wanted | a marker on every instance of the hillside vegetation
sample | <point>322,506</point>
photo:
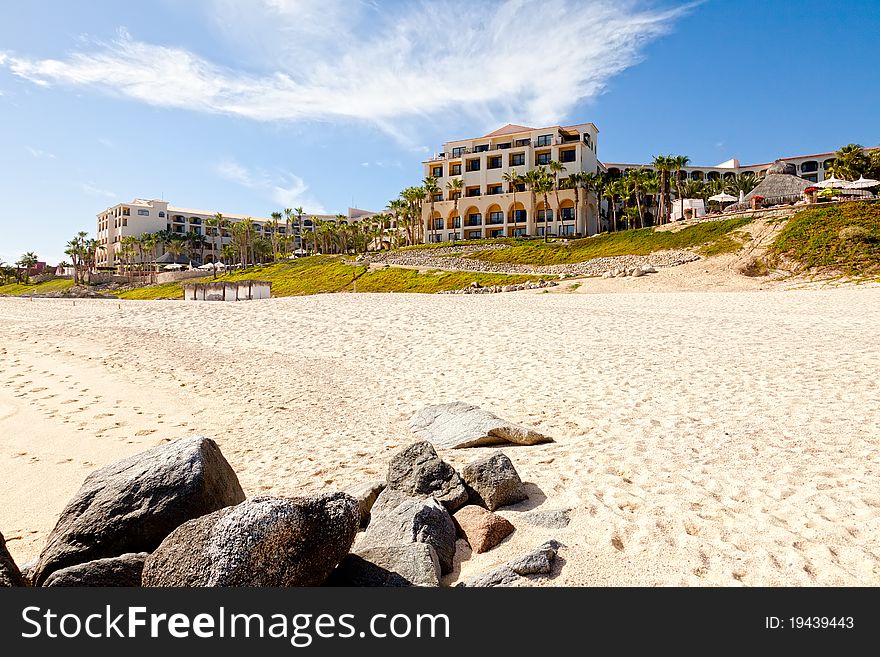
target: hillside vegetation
<point>631,242</point>
<point>52,285</point>
<point>319,274</point>
<point>843,238</point>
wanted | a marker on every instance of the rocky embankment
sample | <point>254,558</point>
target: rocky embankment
<point>176,516</point>
<point>452,258</point>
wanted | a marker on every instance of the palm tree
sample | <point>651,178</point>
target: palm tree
<point>744,182</point>
<point>26,261</point>
<point>288,215</point>
<point>273,226</point>
<point>299,224</point>
<point>429,184</point>
<point>850,162</point>
<point>555,168</point>
<point>543,185</point>
<point>455,186</point>
<point>609,191</point>
<point>664,164</point>
<point>216,224</point>
<point>637,179</point>
<point>679,162</point>
<point>532,179</point>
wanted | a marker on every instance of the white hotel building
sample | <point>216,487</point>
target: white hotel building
<point>143,216</point>
<point>490,207</point>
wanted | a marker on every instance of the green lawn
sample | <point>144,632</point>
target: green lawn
<point>843,237</point>
<point>318,274</point>
<point>630,242</point>
<point>53,285</point>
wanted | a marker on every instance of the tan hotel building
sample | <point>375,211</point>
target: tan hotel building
<point>143,216</point>
<point>487,207</point>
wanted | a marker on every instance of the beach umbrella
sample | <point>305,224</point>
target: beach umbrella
<point>864,183</point>
<point>722,198</point>
<point>833,183</point>
<point>174,266</point>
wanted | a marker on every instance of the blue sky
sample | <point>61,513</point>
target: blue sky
<point>248,107</point>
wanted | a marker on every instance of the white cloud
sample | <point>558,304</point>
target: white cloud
<point>91,190</point>
<point>285,188</point>
<point>527,61</point>
<point>37,153</point>
<point>106,142</point>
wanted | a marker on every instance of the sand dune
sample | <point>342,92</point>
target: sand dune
<point>702,438</point>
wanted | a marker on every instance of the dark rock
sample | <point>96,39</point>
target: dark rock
<point>414,521</point>
<point>132,504</point>
<point>265,541</point>
<point>387,500</point>
<point>366,495</point>
<point>536,562</point>
<point>417,471</point>
<point>10,575</point>
<point>457,424</point>
<point>482,529</point>
<point>124,570</point>
<point>415,564</point>
<point>493,482</point>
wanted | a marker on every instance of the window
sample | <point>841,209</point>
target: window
<point>451,237</point>
<point>517,159</point>
<point>567,214</point>
<point>438,224</point>
<point>473,165</point>
<point>124,221</point>
<point>482,148</point>
<point>501,146</point>
<point>455,170</point>
<point>496,232</point>
<point>808,167</point>
<point>456,222</point>
<point>435,238</point>
<point>494,162</point>
<point>544,140</point>
<point>438,197</point>
<point>457,151</point>
<point>495,189</point>
<point>126,212</point>
<point>541,231</point>
<point>567,156</point>
<point>161,214</point>
<point>568,230</point>
<point>143,213</point>
<point>475,219</point>
<point>543,158</point>
<point>437,172</point>
<point>519,216</point>
<point>519,232</point>
<point>496,217</point>
<point>472,191</point>
<point>523,142</point>
<point>545,213</point>
<point>473,235</point>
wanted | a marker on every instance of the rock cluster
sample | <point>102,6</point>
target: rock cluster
<point>476,288</point>
<point>176,516</point>
<point>619,272</point>
<point>454,258</point>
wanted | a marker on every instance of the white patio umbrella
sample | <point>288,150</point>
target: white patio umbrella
<point>864,183</point>
<point>833,183</point>
<point>722,198</point>
<point>174,266</point>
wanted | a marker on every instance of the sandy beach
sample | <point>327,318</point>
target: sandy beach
<point>702,438</point>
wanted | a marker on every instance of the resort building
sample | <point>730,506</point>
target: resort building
<point>489,204</point>
<point>813,168</point>
<point>143,216</point>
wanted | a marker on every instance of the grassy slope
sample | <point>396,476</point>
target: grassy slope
<point>631,242</point>
<point>53,285</point>
<point>319,274</point>
<point>815,238</point>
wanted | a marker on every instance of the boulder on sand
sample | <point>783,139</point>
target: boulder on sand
<point>124,570</point>
<point>132,504</point>
<point>457,424</point>
<point>417,471</point>
<point>10,575</point>
<point>482,529</point>
<point>493,482</point>
<point>265,541</point>
<point>414,564</point>
<point>414,521</point>
<point>366,494</point>
<point>537,562</point>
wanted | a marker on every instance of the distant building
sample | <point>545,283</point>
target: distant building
<point>143,216</point>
